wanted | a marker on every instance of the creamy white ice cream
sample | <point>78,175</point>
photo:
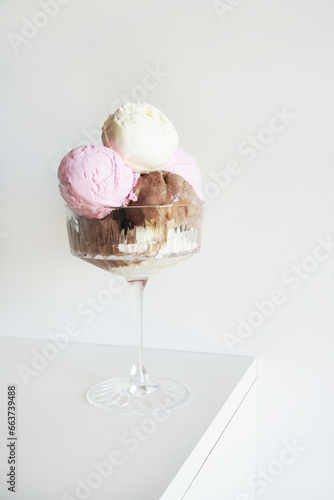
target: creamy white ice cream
<point>142,135</point>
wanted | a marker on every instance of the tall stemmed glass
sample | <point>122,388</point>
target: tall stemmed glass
<point>136,242</point>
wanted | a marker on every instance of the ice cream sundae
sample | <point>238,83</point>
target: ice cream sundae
<point>136,197</point>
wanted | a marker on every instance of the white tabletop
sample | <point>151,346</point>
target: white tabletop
<point>60,436</point>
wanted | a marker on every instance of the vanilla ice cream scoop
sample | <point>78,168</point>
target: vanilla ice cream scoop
<point>142,135</point>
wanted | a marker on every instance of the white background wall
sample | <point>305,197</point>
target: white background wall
<point>222,73</point>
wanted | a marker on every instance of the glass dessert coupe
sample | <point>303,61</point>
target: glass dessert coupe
<point>136,242</point>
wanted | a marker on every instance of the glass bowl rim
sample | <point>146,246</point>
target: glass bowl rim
<point>199,203</point>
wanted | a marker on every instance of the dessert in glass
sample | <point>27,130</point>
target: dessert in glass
<point>134,208</point>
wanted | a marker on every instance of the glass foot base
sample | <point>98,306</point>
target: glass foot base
<point>121,396</point>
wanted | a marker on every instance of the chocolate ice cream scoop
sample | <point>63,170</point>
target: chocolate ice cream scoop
<point>161,188</point>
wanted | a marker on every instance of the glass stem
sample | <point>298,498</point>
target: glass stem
<point>138,374</point>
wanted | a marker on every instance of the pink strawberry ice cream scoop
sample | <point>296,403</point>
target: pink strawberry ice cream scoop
<point>94,178</point>
<point>185,165</point>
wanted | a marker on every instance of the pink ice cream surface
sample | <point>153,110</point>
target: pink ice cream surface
<point>185,165</point>
<point>94,178</point>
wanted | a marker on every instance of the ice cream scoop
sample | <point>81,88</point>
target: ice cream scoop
<point>143,136</point>
<point>185,165</point>
<point>94,178</point>
<point>161,188</point>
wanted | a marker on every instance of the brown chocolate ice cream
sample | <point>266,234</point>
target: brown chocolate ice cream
<point>161,188</point>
